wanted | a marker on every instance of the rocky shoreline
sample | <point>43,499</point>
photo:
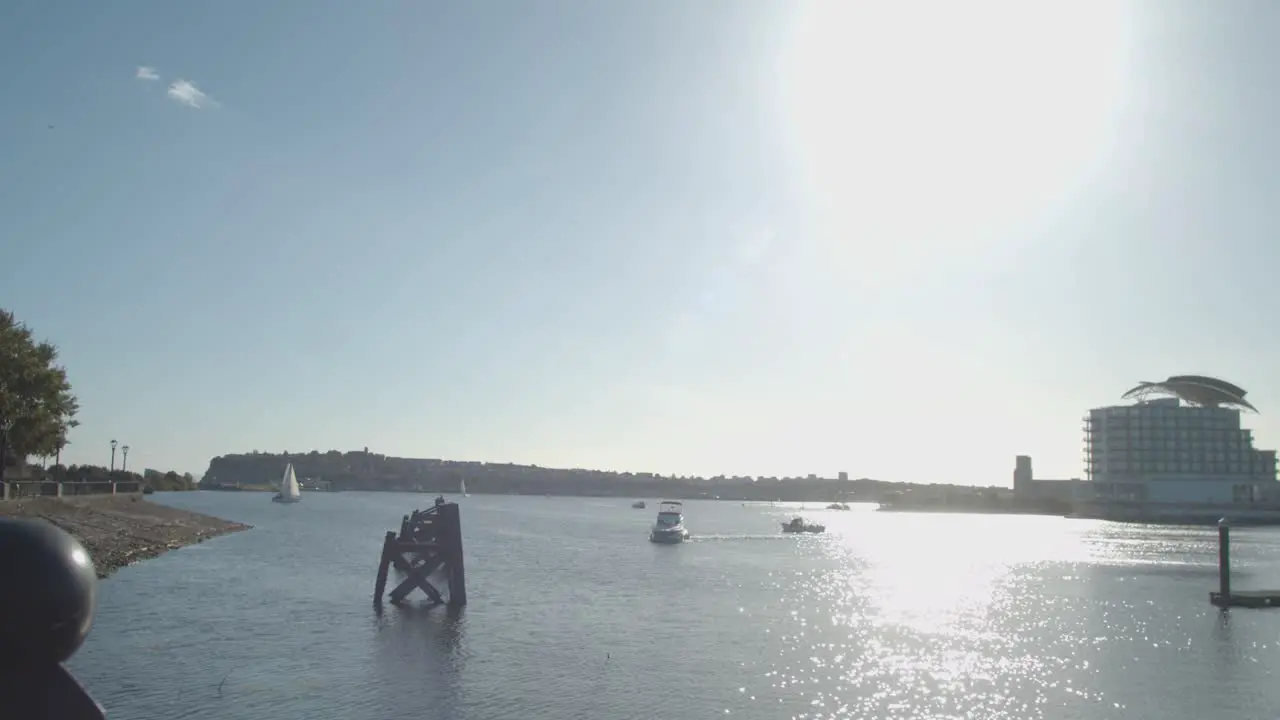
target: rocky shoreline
<point>120,530</point>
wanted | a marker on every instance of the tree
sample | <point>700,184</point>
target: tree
<point>37,409</point>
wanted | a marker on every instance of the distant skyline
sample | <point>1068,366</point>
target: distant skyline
<point>768,238</point>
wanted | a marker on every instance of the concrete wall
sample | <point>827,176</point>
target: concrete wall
<point>1203,490</point>
<point>1211,490</point>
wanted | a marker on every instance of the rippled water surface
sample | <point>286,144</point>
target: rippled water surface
<point>574,615</point>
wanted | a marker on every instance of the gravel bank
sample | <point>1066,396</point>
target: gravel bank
<point>122,529</point>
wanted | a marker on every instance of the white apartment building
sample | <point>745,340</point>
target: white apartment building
<point>1180,443</point>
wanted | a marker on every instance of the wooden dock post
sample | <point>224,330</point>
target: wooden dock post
<point>429,540</point>
<point>452,527</point>
<point>1224,560</point>
<point>380,585</point>
<point>1225,597</point>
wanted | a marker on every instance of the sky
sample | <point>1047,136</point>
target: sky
<point>905,240</point>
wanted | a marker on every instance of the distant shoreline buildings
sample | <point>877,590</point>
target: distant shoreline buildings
<point>1179,450</point>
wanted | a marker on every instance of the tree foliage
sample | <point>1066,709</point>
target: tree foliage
<point>168,481</point>
<point>96,474</point>
<point>37,408</point>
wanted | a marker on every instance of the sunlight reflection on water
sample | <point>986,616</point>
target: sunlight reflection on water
<point>931,616</point>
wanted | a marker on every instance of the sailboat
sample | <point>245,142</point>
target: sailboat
<point>289,492</point>
<point>462,487</point>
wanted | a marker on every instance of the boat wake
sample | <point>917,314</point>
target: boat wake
<point>731,538</point>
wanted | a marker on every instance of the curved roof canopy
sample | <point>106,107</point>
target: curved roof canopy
<point>1194,390</point>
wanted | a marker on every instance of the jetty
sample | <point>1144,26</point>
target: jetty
<point>429,543</point>
<point>1225,597</point>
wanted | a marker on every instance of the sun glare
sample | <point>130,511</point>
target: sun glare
<point>926,127</point>
<point>937,573</point>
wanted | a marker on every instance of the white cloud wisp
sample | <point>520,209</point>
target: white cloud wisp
<point>146,73</point>
<point>186,92</point>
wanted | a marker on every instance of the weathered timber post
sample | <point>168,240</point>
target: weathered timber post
<point>1224,560</point>
<point>451,520</point>
<point>381,583</point>
<point>1224,597</point>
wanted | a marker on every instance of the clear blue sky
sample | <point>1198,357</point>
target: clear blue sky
<point>693,237</point>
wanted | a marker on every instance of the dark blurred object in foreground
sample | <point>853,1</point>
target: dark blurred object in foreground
<point>47,594</point>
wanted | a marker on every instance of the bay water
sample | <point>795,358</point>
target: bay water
<point>573,614</point>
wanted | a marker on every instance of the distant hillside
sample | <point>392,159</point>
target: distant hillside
<point>363,470</point>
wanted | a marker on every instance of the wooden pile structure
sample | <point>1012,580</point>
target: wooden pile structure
<point>429,541</point>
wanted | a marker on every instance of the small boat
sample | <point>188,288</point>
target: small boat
<point>837,506</point>
<point>639,504</point>
<point>462,487</point>
<point>798,525</point>
<point>289,492</point>
<point>669,528</point>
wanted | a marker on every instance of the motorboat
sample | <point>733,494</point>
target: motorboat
<point>798,525</point>
<point>639,505</point>
<point>669,528</point>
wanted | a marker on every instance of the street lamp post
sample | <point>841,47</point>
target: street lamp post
<point>113,456</point>
<point>124,462</point>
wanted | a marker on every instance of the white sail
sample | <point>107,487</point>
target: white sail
<point>462,486</point>
<point>289,484</point>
